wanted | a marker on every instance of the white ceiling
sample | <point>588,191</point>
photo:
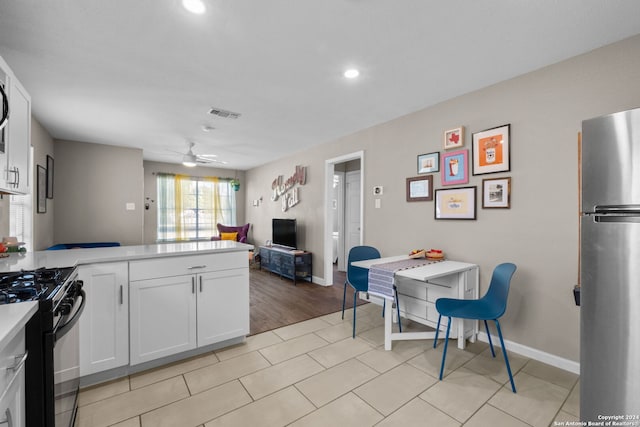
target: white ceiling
<point>144,73</point>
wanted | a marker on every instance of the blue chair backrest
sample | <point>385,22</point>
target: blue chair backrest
<point>357,276</point>
<point>499,289</point>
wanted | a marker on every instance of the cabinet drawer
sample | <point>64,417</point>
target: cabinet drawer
<point>187,264</point>
<point>434,292</point>
<point>412,288</point>
<point>9,357</point>
<point>413,306</point>
<point>447,281</point>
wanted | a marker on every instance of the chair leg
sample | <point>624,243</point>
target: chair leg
<point>506,359</point>
<point>344,297</point>
<point>355,293</point>
<point>435,340</point>
<point>486,326</point>
<point>398,308</point>
<point>446,342</point>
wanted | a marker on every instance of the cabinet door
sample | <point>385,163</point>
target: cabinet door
<point>104,325</point>
<point>223,305</point>
<point>162,317</point>
<point>19,138</point>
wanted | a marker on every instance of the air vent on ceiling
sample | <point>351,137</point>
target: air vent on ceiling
<point>225,114</point>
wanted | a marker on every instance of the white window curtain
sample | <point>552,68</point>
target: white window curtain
<point>190,207</point>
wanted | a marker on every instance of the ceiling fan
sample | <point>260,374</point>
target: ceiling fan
<point>190,160</point>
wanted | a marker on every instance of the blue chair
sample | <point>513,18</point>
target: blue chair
<point>490,307</point>
<point>358,279</point>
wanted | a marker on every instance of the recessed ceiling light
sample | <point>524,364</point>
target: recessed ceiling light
<point>194,6</point>
<point>351,73</point>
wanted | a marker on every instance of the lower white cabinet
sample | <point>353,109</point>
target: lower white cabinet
<point>223,305</point>
<point>104,325</point>
<point>201,300</point>
<point>12,392</point>
<point>163,317</point>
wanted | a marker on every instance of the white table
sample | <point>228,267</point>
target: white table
<point>419,288</point>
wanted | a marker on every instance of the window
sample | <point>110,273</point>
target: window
<point>190,207</point>
<point>20,209</point>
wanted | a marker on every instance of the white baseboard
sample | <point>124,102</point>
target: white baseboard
<point>535,354</point>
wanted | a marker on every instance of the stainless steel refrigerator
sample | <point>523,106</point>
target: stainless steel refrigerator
<point>610,268</point>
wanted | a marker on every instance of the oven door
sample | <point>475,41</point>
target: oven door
<point>66,359</point>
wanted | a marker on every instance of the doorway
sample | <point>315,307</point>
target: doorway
<point>343,210</point>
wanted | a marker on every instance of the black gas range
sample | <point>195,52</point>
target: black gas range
<point>51,394</point>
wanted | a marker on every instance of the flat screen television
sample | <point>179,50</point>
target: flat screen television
<point>284,232</point>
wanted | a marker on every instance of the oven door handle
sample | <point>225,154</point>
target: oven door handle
<point>61,330</point>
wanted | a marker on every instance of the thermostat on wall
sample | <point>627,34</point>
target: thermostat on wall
<point>377,190</point>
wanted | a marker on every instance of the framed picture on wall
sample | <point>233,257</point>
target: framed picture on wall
<point>49,177</point>
<point>454,138</point>
<point>420,189</point>
<point>492,150</point>
<point>41,190</point>
<point>496,193</point>
<point>429,163</point>
<point>454,167</point>
<point>455,203</point>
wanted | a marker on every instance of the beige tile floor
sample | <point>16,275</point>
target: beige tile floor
<point>314,374</point>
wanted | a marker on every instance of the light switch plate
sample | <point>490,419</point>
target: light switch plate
<point>130,206</point>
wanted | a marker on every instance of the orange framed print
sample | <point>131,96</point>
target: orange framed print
<point>456,203</point>
<point>454,138</point>
<point>496,193</point>
<point>491,150</point>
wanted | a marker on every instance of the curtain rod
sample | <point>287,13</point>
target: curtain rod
<point>192,176</point>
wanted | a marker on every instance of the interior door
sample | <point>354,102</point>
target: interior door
<point>352,212</point>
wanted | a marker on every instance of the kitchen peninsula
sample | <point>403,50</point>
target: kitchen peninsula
<point>150,305</point>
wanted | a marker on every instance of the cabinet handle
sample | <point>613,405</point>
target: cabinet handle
<point>193,285</point>
<point>196,267</point>
<point>8,420</point>
<point>121,295</point>
<point>18,365</point>
<point>200,278</point>
<point>18,177</point>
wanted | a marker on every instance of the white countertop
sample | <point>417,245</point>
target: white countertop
<point>14,316</point>
<point>73,257</point>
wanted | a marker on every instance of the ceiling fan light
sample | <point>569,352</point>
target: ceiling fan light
<point>189,160</point>
<point>194,6</point>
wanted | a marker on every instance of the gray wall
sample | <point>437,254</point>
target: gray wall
<point>93,184</point>
<point>150,192</point>
<point>540,231</point>
<point>43,145</point>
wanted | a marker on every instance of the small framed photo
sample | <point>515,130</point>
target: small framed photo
<point>420,189</point>
<point>49,177</point>
<point>456,203</point>
<point>429,163</point>
<point>491,150</point>
<point>454,138</point>
<point>41,190</point>
<point>455,166</point>
<point>496,193</point>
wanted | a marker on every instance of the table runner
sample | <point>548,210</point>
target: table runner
<point>382,276</point>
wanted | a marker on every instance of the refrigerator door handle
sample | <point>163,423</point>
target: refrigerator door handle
<point>617,209</point>
<point>616,218</point>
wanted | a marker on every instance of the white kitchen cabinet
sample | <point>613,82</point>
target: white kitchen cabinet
<point>104,325</point>
<point>163,317</point>
<point>181,303</point>
<point>12,390</point>
<point>223,309</point>
<point>14,153</point>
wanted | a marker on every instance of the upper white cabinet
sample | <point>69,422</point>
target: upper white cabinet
<point>104,325</point>
<point>15,138</point>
